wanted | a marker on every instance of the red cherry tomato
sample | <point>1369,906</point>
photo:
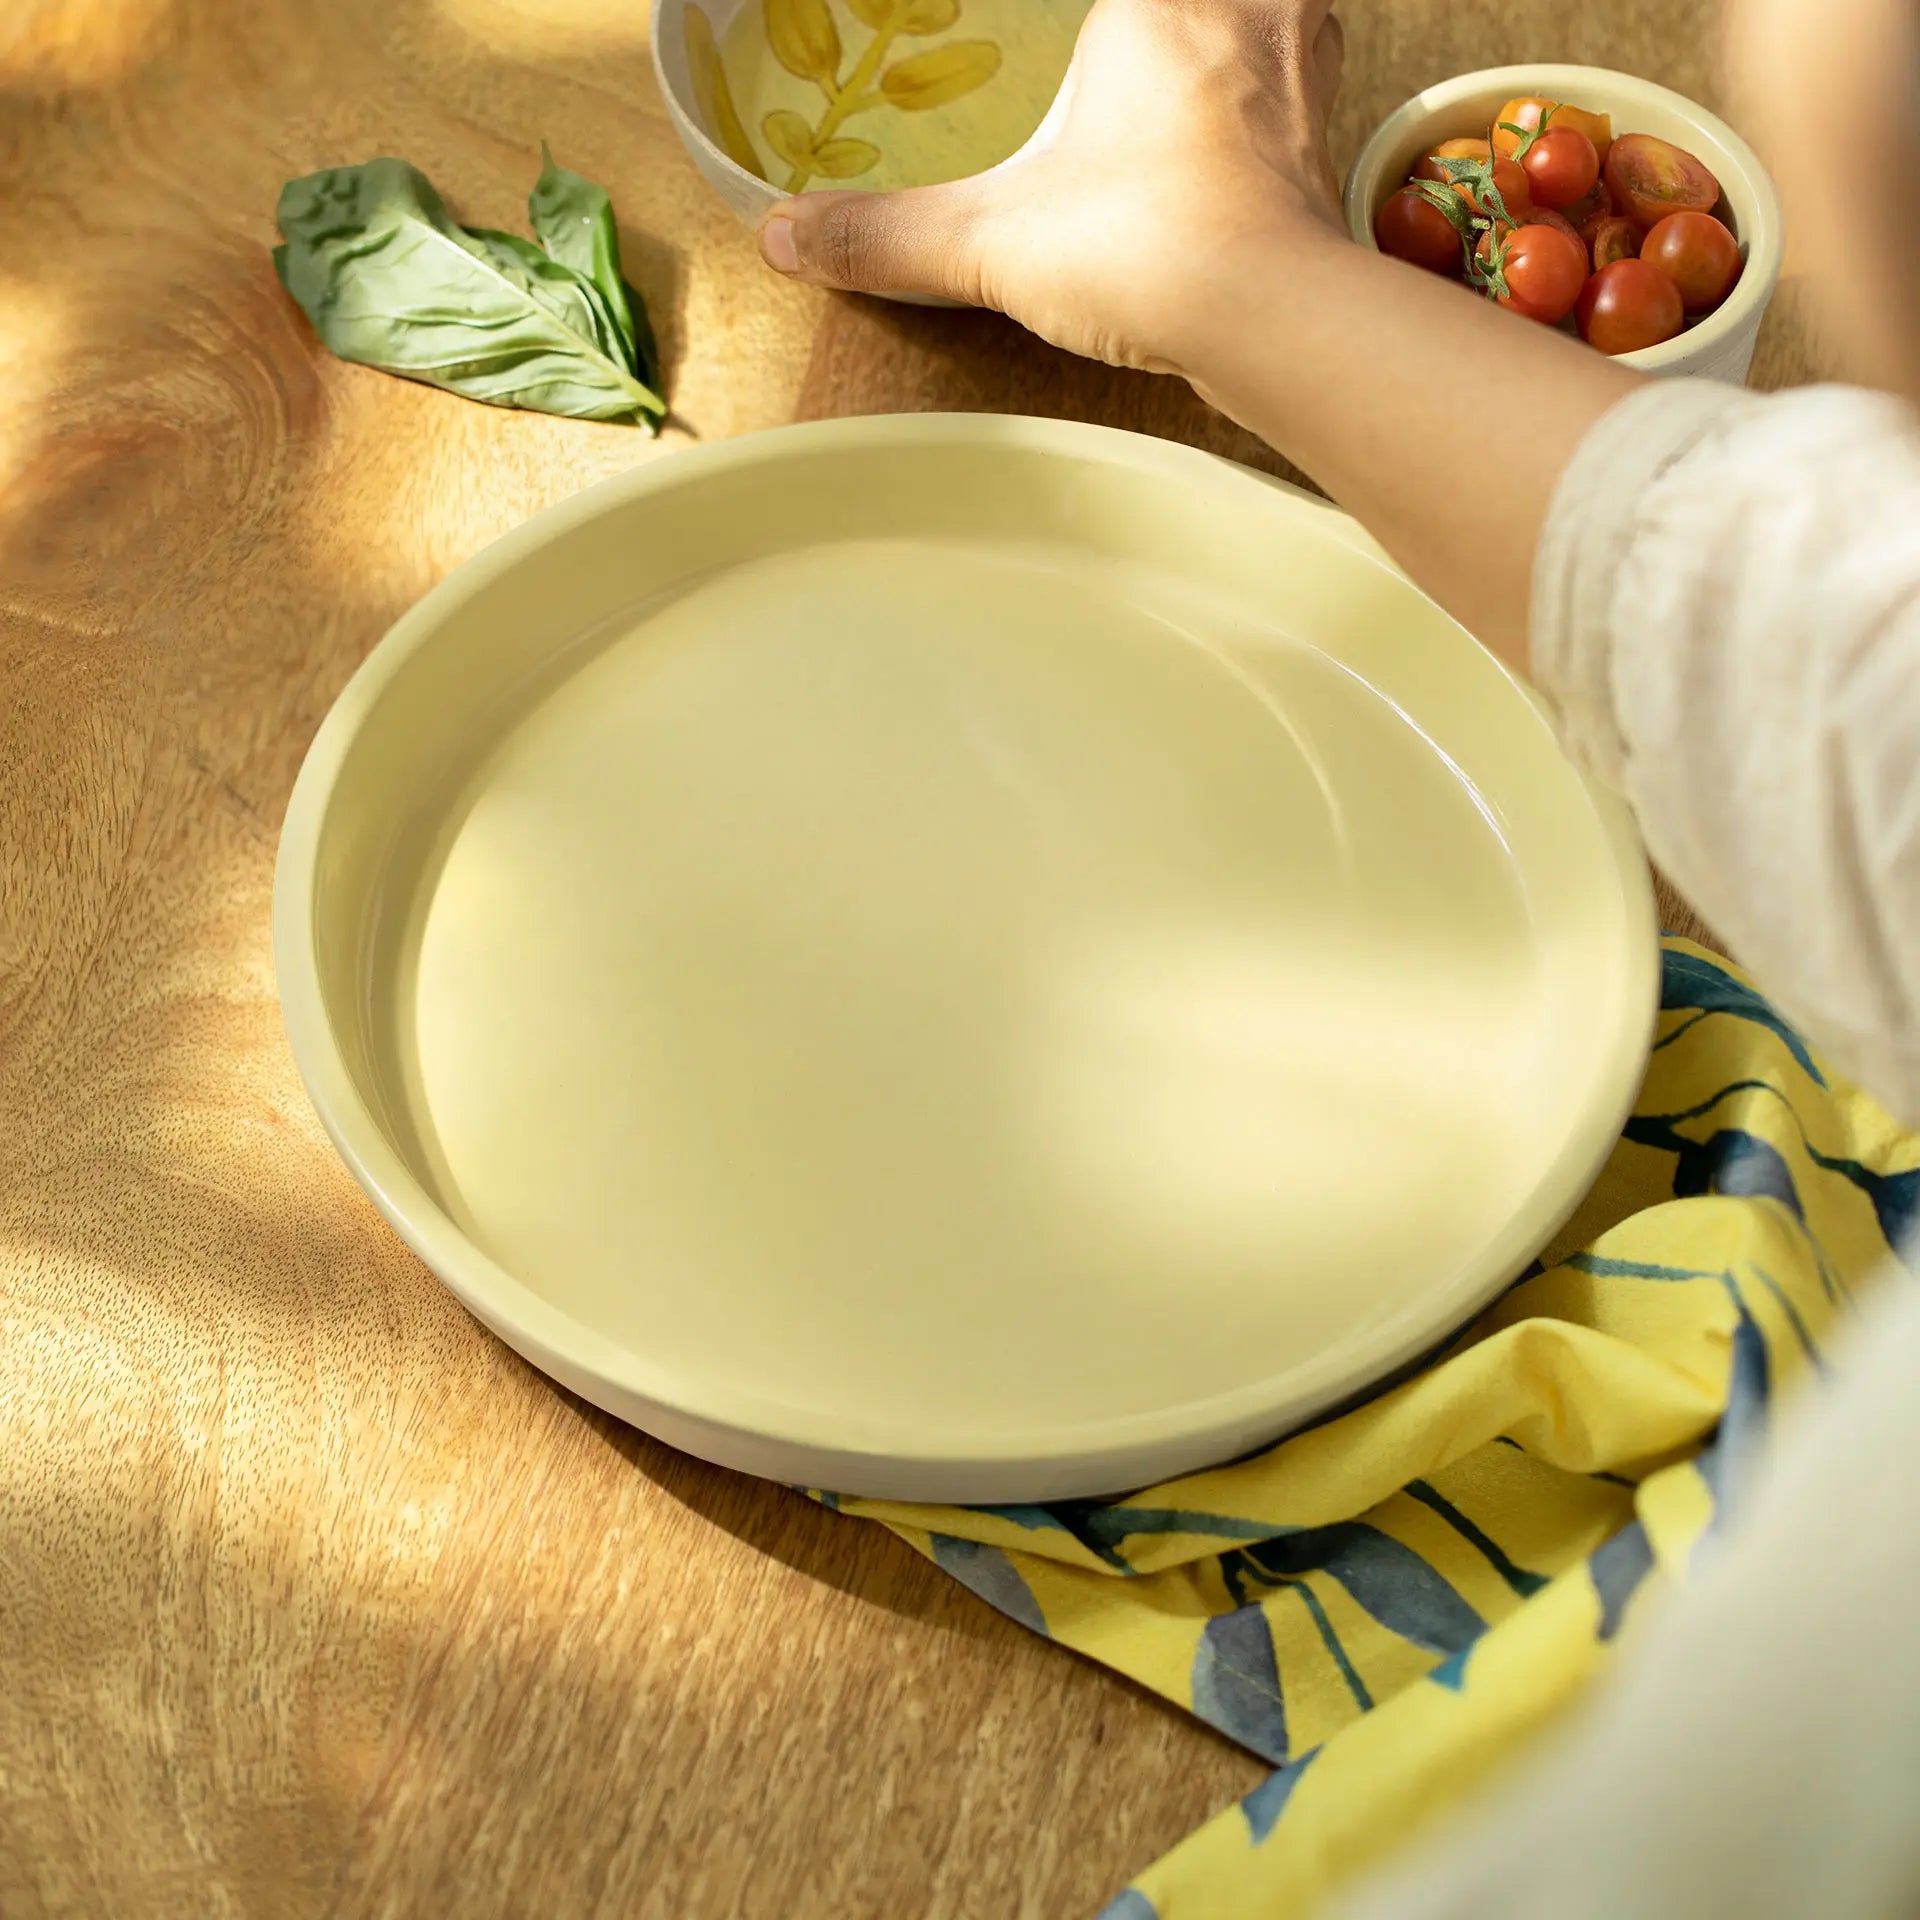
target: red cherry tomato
<point>1410,227</point>
<point>1509,181</point>
<point>1527,111</point>
<point>1698,255</point>
<point>1652,178</point>
<point>1546,217</point>
<point>1536,270</point>
<point>1629,305</point>
<point>1614,238</point>
<point>1561,167</point>
<point>1590,209</point>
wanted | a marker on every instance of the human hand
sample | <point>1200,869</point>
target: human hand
<point>1178,211</point>
<point>1186,133</point>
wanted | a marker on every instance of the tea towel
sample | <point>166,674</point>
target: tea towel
<point>1389,1604</point>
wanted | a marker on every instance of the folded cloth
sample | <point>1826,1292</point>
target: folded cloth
<point>1387,1605</point>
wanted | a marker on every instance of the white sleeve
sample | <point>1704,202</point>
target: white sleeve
<point>1727,619</point>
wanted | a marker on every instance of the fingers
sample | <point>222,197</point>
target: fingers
<point>921,241</point>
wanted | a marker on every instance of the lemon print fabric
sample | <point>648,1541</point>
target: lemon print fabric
<point>877,93</point>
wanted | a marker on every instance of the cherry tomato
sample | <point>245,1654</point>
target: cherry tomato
<point>1698,255</point>
<point>1652,178</point>
<point>1561,167</point>
<point>1508,179</point>
<point>1543,270</point>
<point>1546,217</point>
<point>1614,238</point>
<point>1429,167</point>
<point>1410,227</point>
<point>1629,305</point>
<point>1526,111</point>
<point>1590,209</point>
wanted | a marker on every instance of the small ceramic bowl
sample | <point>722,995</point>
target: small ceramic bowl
<point>1719,347</point>
<point>686,64</point>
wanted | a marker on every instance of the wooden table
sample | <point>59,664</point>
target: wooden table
<point>313,1597</point>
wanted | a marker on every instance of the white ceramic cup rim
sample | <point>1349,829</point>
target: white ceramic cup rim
<point>689,110</point>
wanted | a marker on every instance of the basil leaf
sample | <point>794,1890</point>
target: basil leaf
<point>390,281</point>
<point>573,219</point>
<point>571,300</point>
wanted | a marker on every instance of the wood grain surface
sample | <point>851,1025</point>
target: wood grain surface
<point>313,1598</point>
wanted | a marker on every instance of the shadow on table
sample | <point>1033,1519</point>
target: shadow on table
<point>857,1557</point>
<point>881,356</point>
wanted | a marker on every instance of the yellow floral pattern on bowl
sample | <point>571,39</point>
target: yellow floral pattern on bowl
<point>877,93</point>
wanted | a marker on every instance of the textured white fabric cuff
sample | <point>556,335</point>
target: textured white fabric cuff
<point>1590,528</point>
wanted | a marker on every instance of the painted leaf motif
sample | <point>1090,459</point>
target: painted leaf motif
<point>1736,1449</point>
<point>715,97</point>
<point>1617,1567</point>
<point>842,159</point>
<point>804,39</point>
<point>1263,1807</point>
<point>789,136</point>
<point>1236,1683</point>
<point>1388,1579</point>
<point>919,16</point>
<point>1688,980</point>
<point>940,75</point>
<point>992,1575</point>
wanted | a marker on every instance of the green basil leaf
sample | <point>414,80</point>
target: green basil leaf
<point>571,300</point>
<point>573,219</point>
<point>389,280</point>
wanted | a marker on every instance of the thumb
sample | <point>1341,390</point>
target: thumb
<point>918,241</point>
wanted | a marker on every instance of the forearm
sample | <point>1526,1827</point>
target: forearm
<point>1439,421</point>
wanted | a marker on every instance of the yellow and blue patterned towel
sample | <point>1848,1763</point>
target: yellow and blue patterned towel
<point>1387,1604</point>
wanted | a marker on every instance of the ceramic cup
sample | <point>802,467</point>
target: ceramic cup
<point>692,105</point>
<point>711,120</point>
<point>1719,347</point>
